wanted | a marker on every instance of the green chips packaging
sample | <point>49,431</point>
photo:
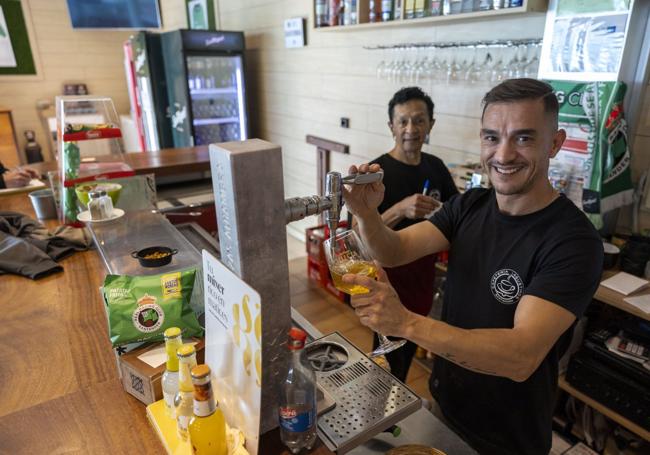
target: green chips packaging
<point>141,308</point>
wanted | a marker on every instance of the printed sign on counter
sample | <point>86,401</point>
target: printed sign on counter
<point>233,351</point>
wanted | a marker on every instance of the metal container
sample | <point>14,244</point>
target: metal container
<point>44,205</point>
<point>142,254</point>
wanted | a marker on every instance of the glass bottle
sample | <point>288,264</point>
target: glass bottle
<point>106,203</point>
<point>372,11</point>
<point>397,10</point>
<point>169,381</point>
<point>386,10</point>
<point>207,428</point>
<point>298,398</point>
<point>321,19</point>
<point>419,8</point>
<point>409,9</point>
<point>184,398</point>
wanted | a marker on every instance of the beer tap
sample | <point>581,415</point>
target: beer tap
<point>331,203</point>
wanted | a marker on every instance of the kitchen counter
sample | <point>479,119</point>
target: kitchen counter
<point>59,381</point>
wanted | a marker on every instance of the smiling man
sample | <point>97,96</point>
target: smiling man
<point>524,264</point>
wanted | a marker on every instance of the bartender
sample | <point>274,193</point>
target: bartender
<point>16,178</point>
<point>524,264</point>
<point>414,184</point>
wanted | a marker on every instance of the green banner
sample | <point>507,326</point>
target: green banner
<point>592,115</point>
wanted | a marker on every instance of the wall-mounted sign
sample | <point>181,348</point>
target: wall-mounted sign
<point>584,40</point>
<point>294,32</point>
<point>15,51</point>
<point>200,15</point>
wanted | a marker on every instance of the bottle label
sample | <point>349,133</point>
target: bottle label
<point>296,422</point>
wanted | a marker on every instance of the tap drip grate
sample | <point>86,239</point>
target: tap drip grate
<point>326,356</point>
<point>368,399</point>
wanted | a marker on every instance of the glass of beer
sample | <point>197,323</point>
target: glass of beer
<point>346,253</point>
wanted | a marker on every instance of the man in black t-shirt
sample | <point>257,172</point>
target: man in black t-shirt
<point>415,182</point>
<point>524,264</point>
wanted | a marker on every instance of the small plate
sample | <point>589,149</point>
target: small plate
<point>85,216</point>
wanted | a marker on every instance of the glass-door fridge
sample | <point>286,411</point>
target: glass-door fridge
<point>206,86</point>
<point>148,90</point>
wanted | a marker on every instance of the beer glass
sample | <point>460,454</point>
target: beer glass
<point>346,253</point>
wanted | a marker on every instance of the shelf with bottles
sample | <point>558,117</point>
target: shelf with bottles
<point>214,121</point>
<point>369,14</point>
<point>210,92</point>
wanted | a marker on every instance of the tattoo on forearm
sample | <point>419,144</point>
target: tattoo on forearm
<point>452,358</point>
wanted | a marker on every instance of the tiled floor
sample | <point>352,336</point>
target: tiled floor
<point>328,314</point>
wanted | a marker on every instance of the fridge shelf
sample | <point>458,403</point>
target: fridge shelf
<point>210,92</point>
<point>214,121</point>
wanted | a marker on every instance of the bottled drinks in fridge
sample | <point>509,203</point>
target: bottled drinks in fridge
<point>297,411</point>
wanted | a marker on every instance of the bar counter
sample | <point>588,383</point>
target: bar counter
<point>162,163</point>
<point>59,382</point>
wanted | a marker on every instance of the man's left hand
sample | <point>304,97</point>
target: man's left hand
<point>380,309</point>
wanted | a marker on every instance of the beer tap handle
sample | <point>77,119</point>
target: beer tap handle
<point>362,179</point>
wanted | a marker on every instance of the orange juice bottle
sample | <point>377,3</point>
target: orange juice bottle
<point>207,428</point>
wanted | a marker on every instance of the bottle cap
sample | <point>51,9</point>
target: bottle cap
<point>200,371</point>
<point>94,194</point>
<point>172,332</point>
<point>185,351</point>
<point>297,338</point>
<point>102,192</point>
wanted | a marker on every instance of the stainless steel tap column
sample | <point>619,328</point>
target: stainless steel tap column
<point>249,196</point>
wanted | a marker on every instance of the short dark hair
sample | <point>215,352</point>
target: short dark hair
<point>407,94</point>
<point>512,90</point>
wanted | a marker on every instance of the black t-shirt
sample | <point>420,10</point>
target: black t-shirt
<point>403,180</point>
<point>414,282</point>
<point>554,254</point>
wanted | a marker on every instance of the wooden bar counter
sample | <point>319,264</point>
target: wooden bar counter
<point>162,163</point>
<point>58,381</point>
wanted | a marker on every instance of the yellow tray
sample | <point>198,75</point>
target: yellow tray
<point>165,428</point>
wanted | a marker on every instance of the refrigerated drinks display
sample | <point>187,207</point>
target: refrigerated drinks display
<point>206,86</point>
<point>215,86</point>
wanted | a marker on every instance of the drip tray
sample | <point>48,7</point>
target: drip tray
<point>368,398</point>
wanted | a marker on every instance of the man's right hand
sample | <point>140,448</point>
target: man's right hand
<point>363,200</point>
<point>417,206</point>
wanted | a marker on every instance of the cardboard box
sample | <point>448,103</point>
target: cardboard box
<point>141,379</point>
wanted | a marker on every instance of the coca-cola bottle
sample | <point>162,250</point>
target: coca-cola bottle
<point>297,406</point>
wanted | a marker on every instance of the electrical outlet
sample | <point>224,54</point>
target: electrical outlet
<point>345,122</point>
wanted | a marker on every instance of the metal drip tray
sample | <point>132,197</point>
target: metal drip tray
<point>368,398</point>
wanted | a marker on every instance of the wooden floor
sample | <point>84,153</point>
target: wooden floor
<point>328,314</point>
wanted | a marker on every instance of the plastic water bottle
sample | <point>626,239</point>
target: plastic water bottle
<point>298,398</point>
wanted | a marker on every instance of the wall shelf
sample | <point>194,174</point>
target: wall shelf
<point>529,6</point>
<point>615,299</point>
<point>633,427</point>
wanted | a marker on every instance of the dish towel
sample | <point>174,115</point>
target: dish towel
<point>27,248</point>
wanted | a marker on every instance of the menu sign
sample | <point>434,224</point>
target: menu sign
<point>233,329</point>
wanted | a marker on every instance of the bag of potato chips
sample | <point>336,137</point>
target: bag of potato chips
<point>141,308</point>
